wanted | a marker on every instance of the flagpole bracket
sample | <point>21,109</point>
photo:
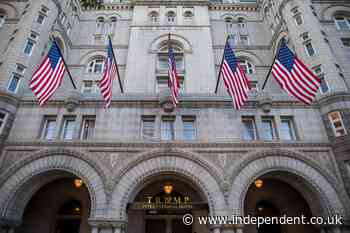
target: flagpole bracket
<point>165,102</point>
<point>265,101</point>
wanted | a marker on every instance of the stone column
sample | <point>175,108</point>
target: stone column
<point>239,228</point>
<point>215,228</point>
<point>106,226</point>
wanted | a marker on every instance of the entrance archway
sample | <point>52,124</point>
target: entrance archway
<point>272,197</point>
<point>61,206</point>
<point>161,202</point>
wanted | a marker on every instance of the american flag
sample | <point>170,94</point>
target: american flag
<point>48,77</point>
<point>110,71</point>
<point>293,76</point>
<point>235,79</point>
<point>173,83</point>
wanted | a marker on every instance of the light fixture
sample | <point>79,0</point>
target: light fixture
<point>78,183</point>
<point>168,188</point>
<point>259,183</point>
<point>77,209</point>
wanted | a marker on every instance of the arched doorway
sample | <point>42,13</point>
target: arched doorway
<point>61,206</point>
<point>160,204</point>
<point>270,196</point>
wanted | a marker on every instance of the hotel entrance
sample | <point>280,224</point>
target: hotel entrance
<point>160,205</point>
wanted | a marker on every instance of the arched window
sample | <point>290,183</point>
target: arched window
<point>69,217</point>
<point>188,15</point>
<point>112,24</point>
<point>163,67</point>
<point>154,17</point>
<point>171,17</point>
<point>2,18</point>
<point>342,22</point>
<point>247,66</point>
<point>100,22</point>
<point>241,22</point>
<point>230,29</point>
<point>96,66</point>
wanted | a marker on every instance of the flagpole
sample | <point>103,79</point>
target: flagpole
<point>65,64</point>
<point>274,59</point>
<point>222,62</point>
<point>116,64</point>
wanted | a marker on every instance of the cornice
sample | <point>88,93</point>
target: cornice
<point>334,97</point>
<point>134,146</point>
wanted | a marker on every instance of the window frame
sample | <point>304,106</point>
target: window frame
<point>292,128</point>
<point>273,128</point>
<point>252,120</point>
<point>20,77</point>
<point>345,20</point>
<point>67,119</point>
<point>340,120</point>
<point>83,127</point>
<point>3,121</point>
<point>193,120</point>
<point>91,67</point>
<point>171,128</point>
<point>148,118</point>
<point>43,133</point>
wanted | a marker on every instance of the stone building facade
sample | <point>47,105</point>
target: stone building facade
<point>203,149</point>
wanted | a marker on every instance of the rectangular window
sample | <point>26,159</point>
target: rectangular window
<point>168,129</point>
<point>49,128</point>
<point>41,18</point>
<point>254,86</point>
<point>88,127</point>
<point>309,48</point>
<point>162,84</point>
<point>318,71</point>
<point>346,42</point>
<point>287,129</point>
<point>3,118</point>
<point>14,83</point>
<point>89,86</point>
<point>163,63</point>
<point>68,128</point>
<point>189,128</point>
<point>268,129</point>
<point>337,124</point>
<point>30,43</point>
<point>148,127</point>
<point>249,128</point>
<point>342,23</point>
<point>232,40</point>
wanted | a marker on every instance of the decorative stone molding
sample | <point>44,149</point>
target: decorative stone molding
<point>127,186</point>
<point>265,101</point>
<point>20,184</point>
<point>331,200</point>
<point>72,102</point>
<point>165,101</point>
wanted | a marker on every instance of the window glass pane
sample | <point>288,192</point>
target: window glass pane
<point>248,129</point>
<point>148,128</point>
<point>310,49</point>
<point>287,129</point>
<point>324,86</point>
<point>267,129</point>
<point>49,129</point>
<point>68,129</point>
<point>168,129</point>
<point>88,129</point>
<point>29,47</point>
<point>189,129</point>
<point>342,24</point>
<point>13,84</point>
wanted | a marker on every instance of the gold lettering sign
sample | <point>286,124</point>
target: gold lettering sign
<point>166,202</point>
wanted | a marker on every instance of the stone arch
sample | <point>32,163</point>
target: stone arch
<point>250,56</point>
<point>61,42</point>
<point>23,180</point>
<point>330,11</point>
<point>184,167</point>
<point>160,40</point>
<point>10,10</point>
<point>330,199</point>
<point>86,58</point>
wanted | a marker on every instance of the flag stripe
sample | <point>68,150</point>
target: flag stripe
<point>48,76</point>
<point>235,79</point>
<point>293,76</point>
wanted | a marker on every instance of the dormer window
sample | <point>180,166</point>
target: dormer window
<point>241,22</point>
<point>188,15</point>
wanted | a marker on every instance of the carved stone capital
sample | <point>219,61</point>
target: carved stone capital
<point>265,101</point>
<point>72,101</point>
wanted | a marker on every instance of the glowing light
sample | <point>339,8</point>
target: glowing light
<point>168,188</point>
<point>78,183</point>
<point>259,183</point>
